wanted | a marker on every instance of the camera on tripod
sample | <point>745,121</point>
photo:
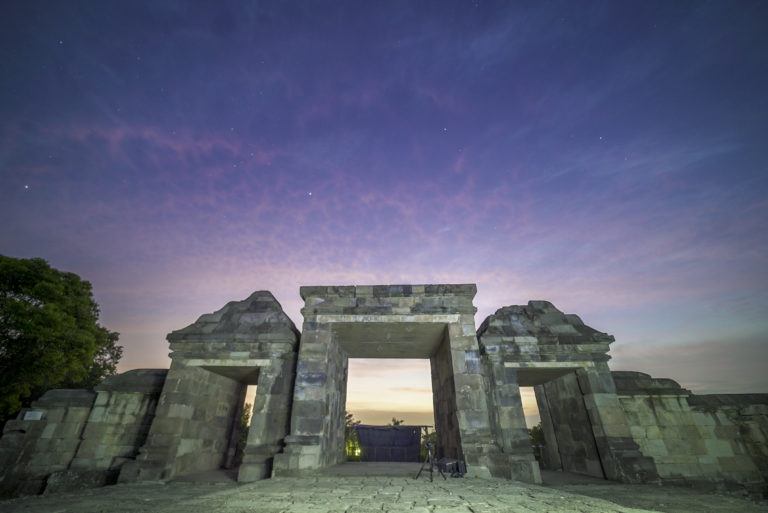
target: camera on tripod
<point>456,468</point>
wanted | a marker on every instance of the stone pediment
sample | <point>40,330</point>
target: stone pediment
<point>539,335</point>
<point>541,320</point>
<point>245,333</point>
<point>258,315</point>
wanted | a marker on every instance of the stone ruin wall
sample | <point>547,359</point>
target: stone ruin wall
<point>698,439</point>
<point>42,440</point>
<point>191,428</point>
<point>73,439</point>
<point>144,425</point>
<point>748,418</point>
<point>116,428</point>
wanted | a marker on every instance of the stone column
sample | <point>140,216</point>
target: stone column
<point>506,415</point>
<point>444,401</point>
<point>473,406</point>
<point>512,435</point>
<point>317,414</point>
<point>619,454</point>
<point>270,420</point>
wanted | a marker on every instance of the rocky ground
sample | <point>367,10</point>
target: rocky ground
<point>328,494</point>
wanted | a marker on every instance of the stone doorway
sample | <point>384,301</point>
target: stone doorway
<point>565,361</point>
<point>213,361</point>
<point>389,321</point>
<point>411,340</point>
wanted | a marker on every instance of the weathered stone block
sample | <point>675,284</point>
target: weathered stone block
<point>718,448</point>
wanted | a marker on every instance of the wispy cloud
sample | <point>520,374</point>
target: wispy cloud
<point>415,390</point>
<point>180,160</point>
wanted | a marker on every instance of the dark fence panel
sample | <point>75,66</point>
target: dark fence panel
<point>389,443</point>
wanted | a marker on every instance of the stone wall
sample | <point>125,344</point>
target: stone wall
<point>42,440</point>
<point>550,453</point>
<point>570,427</point>
<point>116,427</point>
<point>748,418</point>
<point>623,426</point>
<point>192,425</point>
<point>71,439</point>
<point>698,440</point>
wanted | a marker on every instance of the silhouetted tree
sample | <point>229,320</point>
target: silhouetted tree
<point>49,334</point>
<point>536,435</point>
<point>396,422</point>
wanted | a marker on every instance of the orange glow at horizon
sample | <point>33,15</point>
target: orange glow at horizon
<point>383,388</point>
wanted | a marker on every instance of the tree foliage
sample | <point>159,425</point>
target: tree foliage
<point>536,435</point>
<point>428,438</point>
<point>352,441</point>
<point>396,422</point>
<point>242,435</point>
<point>49,333</point>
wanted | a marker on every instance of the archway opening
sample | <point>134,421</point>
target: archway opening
<point>243,424</point>
<point>533,421</point>
<point>240,425</point>
<point>390,409</point>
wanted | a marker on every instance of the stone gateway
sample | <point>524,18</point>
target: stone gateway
<point>157,425</point>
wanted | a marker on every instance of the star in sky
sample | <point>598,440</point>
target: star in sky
<point>630,235</point>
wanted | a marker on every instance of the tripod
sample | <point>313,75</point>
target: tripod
<point>431,462</point>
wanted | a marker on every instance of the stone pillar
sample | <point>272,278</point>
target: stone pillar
<point>511,432</point>
<point>619,453</point>
<point>270,420</point>
<point>506,415</point>
<point>474,406</point>
<point>444,401</point>
<point>319,397</point>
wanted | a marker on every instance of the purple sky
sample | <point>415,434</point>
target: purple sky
<point>611,157</point>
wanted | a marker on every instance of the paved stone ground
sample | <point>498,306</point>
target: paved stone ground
<point>380,494</point>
